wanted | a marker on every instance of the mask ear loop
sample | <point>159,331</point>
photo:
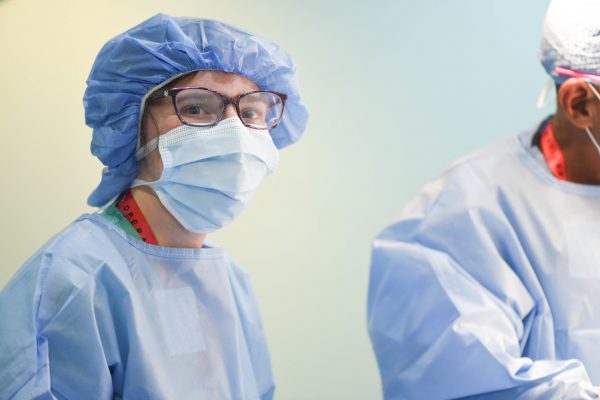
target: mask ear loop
<point>146,149</point>
<point>589,133</point>
<point>593,89</point>
<point>587,129</point>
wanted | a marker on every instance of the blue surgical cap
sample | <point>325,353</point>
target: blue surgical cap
<point>571,37</point>
<point>159,49</point>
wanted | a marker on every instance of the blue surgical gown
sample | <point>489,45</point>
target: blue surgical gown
<point>96,314</point>
<point>487,284</point>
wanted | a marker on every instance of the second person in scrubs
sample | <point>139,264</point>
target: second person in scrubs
<point>487,284</point>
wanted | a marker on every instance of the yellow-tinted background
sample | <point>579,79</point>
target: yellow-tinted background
<point>396,89</point>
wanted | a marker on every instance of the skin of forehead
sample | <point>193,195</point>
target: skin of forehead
<point>226,83</point>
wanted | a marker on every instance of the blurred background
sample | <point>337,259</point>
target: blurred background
<point>396,89</point>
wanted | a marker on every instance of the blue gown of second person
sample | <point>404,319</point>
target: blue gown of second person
<point>488,284</point>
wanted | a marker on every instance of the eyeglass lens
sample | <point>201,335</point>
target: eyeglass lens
<point>260,110</point>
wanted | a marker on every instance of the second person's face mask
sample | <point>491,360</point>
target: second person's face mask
<point>210,174</point>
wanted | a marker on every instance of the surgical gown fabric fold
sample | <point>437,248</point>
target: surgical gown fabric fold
<point>488,284</point>
<point>96,314</point>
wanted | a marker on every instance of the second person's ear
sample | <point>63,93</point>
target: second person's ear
<point>579,103</point>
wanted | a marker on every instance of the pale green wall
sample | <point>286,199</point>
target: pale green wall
<point>397,90</point>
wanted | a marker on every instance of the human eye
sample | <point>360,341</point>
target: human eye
<point>198,106</point>
<point>195,110</point>
<point>253,113</point>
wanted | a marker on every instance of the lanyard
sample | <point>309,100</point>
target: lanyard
<point>552,153</point>
<point>128,206</point>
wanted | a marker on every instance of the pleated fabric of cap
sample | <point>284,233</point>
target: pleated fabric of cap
<point>571,38</point>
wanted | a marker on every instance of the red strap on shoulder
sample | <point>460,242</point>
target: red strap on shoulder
<point>553,154</point>
<point>128,206</point>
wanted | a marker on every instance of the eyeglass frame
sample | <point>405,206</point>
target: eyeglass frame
<point>235,100</point>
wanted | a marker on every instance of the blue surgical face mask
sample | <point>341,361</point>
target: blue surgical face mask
<point>210,174</point>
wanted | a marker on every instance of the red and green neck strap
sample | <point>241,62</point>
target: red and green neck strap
<point>131,211</point>
<point>126,214</point>
<point>552,153</point>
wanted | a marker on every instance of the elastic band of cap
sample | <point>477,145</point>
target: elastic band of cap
<point>575,74</point>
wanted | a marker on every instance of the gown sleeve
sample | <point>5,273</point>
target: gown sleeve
<point>50,346</point>
<point>454,307</point>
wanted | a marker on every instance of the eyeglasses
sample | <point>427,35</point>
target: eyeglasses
<point>198,106</point>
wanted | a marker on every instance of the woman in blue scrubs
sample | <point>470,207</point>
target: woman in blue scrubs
<point>132,302</point>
